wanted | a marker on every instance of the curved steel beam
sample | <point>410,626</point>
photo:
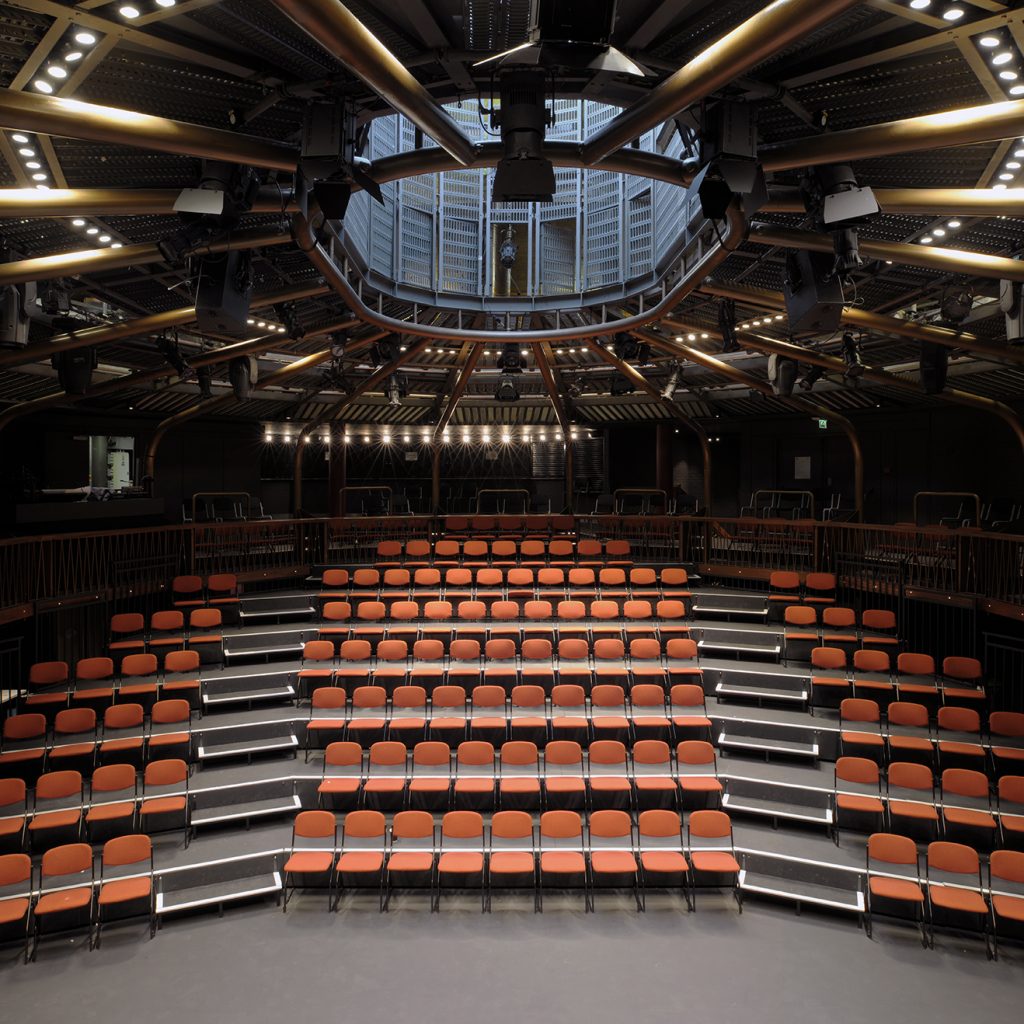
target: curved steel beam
<point>222,401</point>
<point>925,202</point>
<point>95,261</point>
<point>331,24</point>
<point>153,324</point>
<point>772,29</point>
<point>552,389</point>
<point>86,202</point>
<point>759,343</point>
<point>956,261</point>
<point>322,260</point>
<point>75,119</point>
<point>990,122</point>
<point>855,317</point>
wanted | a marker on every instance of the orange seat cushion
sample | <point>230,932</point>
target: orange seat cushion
<point>13,910</point>
<point>966,901</point>
<point>163,805</point>
<point>664,862</point>
<point>109,812</point>
<point>860,804</point>
<point>411,860</point>
<point>968,817</point>
<point>511,862</point>
<point>462,863</point>
<point>55,819</point>
<point>613,862</point>
<point>897,889</point>
<point>714,860</point>
<point>125,889</point>
<point>339,786</point>
<point>562,862</point>
<point>361,862</point>
<point>1009,907</point>
<point>309,862</point>
<point>909,809</point>
<point>67,899</point>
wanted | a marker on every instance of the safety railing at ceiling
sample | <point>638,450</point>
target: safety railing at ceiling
<point>112,566</point>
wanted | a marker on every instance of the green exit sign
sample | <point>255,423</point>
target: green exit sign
<point>823,424</point>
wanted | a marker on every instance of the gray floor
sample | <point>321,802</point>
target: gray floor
<point>257,964</point>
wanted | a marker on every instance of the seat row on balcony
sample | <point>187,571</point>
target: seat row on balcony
<point>449,550</point>
<point>906,798</point>
<point>490,584</point>
<point>67,894</point>
<point>454,712</point>
<point>77,740</point>
<point>140,679</point>
<point>63,808</point>
<point>956,740</point>
<point>561,851</point>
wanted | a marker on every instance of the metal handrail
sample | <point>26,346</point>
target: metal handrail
<point>951,494</point>
<point>344,492</point>
<point>222,494</point>
<point>503,490</point>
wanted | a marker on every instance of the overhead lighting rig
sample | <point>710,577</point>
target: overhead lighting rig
<point>730,169</point>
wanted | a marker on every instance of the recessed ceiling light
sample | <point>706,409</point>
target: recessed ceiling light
<point>92,231</point>
<point>19,137</point>
<point>104,238</point>
<point>1017,90</point>
<point>1008,76</point>
<point>953,224</point>
<point>116,245</point>
<point>953,13</point>
<point>988,42</point>
<point>72,56</point>
<point>926,240</point>
<point>27,151</point>
<point>939,232</point>
<point>1006,177</point>
<point>85,38</point>
<point>1013,165</point>
<point>524,351</point>
<point>78,222</point>
<point>1002,58</point>
<point>33,165</point>
<point>39,176</point>
<point>920,5</point>
<point>261,323</point>
<point>128,12</point>
<point>999,188</point>
<point>42,85</point>
<point>166,3</point>
<point>43,188</point>
<point>56,71</point>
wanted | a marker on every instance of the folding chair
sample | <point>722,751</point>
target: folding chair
<point>681,654</point>
<point>839,629</point>
<point>438,622</point>
<point>608,719</point>
<point>1010,793</point>
<point>820,589</point>
<point>314,847</point>
<point>411,859</point>
<point>608,776</point>
<point>910,796</point>
<point>384,788</point>
<point>882,625</point>
<point>142,668</point>
<point>967,807</point>
<point>953,878</point>
<point>57,811</point>
<point>488,716</point>
<point>527,714</point>
<point>187,592</point>
<point>801,633</point>
<point>367,718</point>
<point>354,666</point>
<point>210,646</point>
<point>962,682</point>
<point>74,741</point>
<point>343,776</point>
<point>639,622</point>
<point>910,733</point>
<point>392,664</point>
<point>569,714</point>
<point>407,722</point>
<point>165,797</point>
<point>612,858</point>
<point>697,768</point>
<point>916,680</point>
<point>1006,891</point>
<point>511,853</point>
<point>324,728</point>
<point>652,775</point>
<point>48,688</point>
<point>113,802</point>
<point>15,898</point>
<point>872,677</point>
<point>336,616</point>
<point>427,664</point>
<point>712,851</point>
<point>894,880</point>
<point>88,673</point>
<point>689,712</point>
<point>458,585</point>
<point>448,714</point>
<point>857,796</point>
<point>166,630</point>
<point>66,879</point>
<point>22,748</point>
<point>610,661</point>
<point>461,858</point>
<point>464,663</point>
<point>167,737</point>
<point>562,861</point>
<point>564,787</point>
<point>519,784</point>
<point>860,724</point>
<point>500,664</point>
<point>126,633</point>
<point>574,664</point>
<point>649,718</point>
<point>475,777</point>
<point>959,739</point>
<point>431,781</point>
<point>13,815</point>
<point>662,857</point>
<point>675,584</point>
<point>126,884</point>
<point>505,625</point>
<point>645,667</point>
<point>369,625</point>
<point>829,690</point>
<point>783,590</point>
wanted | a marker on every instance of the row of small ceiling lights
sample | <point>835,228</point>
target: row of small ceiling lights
<point>73,52</point>
<point>503,435</point>
<point>951,13</point>
<point>132,11</point>
<point>265,325</point>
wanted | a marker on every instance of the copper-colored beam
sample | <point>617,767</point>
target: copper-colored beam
<point>98,202</point>
<point>552,389</point>
<point>856,317</point>
<point>691,279</point>
<point>925,202</point>
<point>344,36</point>
<point>772,29</point>
<point>990,122</point>
<point>632,374</point>
<point>75,119</point>
<point>955,261</point>
<point>759,343</point>
<point>153,324</point>
<point>458,389</point>
<point>95,261</point>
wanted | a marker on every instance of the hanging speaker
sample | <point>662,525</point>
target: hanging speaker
<point>814,295</point>
<point>242,374</point>
<point>934,365</point>
<point>74,369</point>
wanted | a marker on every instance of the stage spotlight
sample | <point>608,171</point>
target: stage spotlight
<point>668,392</point>
<point>242,372</point>
<point>782,375</point>
<point>626,347</point>
<point>956,306</point>
<point>621,386</point>
<point>840,206</point>
<point>506,391</point>
<point>511,358</point>
<point>852,356</point>
<point>382,352</point>
<point>508,251</point>
<point>811,377</point>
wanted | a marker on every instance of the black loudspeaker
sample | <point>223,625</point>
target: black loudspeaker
<point>224,293</point>
<point>933,367</point>
<point>782,373</point>
<point>74,369</point>
<point>814,295</point>
<point>242,374</point>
